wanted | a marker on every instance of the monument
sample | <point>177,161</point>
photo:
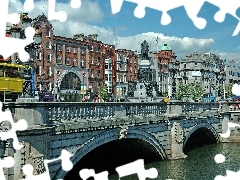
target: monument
<point>146,89</point>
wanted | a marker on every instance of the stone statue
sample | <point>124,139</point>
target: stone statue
<point>144,50</point>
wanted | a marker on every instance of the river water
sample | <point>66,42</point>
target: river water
<point>199,165</point>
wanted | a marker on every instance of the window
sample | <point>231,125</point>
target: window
<point>92,59</point>
<point>184,66</point>
<point>98,61</point>
<point>135,60</point>
<point>74,50</point>
<point>49,57</point>
<point>195,64</point>
<point>59,60</point>
<point>91,48</point>
<point>82,63</point>
<point>38,55</point>
<point>67,61</point>
<point>59,47</point>
<point>98,73</point>
<point>48,45</point>
<point>92,73</point>
<point>106,66</point>
<point>106,77</point>
<point>135,69</point>
<point>74,62</point>
<point>110,77</point>
<point>68,49</point>
<point>38,70</point>
<point>48,33</point>
<point>39,87</point>
<point>49,70</point>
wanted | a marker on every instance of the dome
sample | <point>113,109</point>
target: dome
<point>165,47</point>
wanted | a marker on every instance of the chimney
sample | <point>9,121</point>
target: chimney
<point>93,37</point>
<point>79,37</point>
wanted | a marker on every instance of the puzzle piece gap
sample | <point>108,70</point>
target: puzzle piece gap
<point>29,5</point>
<point>75,3</point>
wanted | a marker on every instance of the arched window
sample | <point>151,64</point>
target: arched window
<point>70,82</point>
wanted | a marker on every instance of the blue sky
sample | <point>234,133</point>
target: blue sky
<point>181,34</point>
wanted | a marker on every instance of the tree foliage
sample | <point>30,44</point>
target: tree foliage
<point>193,90</point>
<point>228,89</point>
<point>103,92</point>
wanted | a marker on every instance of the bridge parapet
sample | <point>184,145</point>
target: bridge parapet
<point>234,106</point>
<point>66,115</point>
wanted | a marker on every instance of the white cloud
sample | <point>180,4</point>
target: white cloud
<point>88,12</point>
<point>79,19</point>
<point>180,46</point>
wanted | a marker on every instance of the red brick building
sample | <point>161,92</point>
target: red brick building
<point>164,56</point>
<point>126,70</point>
<point>81,63</point>
<point>43,58</point>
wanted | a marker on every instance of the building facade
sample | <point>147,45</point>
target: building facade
<point>167,73</point>
<point>206,69</point>
<point>43,57</point>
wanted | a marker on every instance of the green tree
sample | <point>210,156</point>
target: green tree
<point>196,90</point>
<point>103,92</point>
<point>182,91</point>
<point>228,89</point>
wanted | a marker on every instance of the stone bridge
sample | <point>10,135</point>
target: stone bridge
<point>82,127</point>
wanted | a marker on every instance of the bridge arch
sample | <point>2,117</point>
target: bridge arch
<point>65,73</point>
<point>110,136</point>
<point>197,127</point>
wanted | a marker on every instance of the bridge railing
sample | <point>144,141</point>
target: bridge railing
<point>234,106</point>
<point>199,107</point>
<point>38,113</point>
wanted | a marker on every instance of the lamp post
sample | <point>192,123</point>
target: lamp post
<point>18,32</point>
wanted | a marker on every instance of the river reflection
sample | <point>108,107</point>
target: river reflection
<point>199,165</point>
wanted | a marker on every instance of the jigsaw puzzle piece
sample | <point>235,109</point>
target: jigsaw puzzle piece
<point>29,5</point>
<point>65,163</point>
<point>75,3</point>
<point>160,5</point>
<point>192,9</point>
<point>230,125</point>
<point>236,89</point>
<point>7,162</point>
<point>227,7</point>
<point>11,18</point>
<point>137,167</point>
<point>87,173</point>
<point>20,125</point>
<point>17,45</point>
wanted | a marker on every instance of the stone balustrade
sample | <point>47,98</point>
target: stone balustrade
<point>47,114</point>
<point>234,106</point>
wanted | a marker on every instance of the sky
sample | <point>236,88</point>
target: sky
<point>95,16</point>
